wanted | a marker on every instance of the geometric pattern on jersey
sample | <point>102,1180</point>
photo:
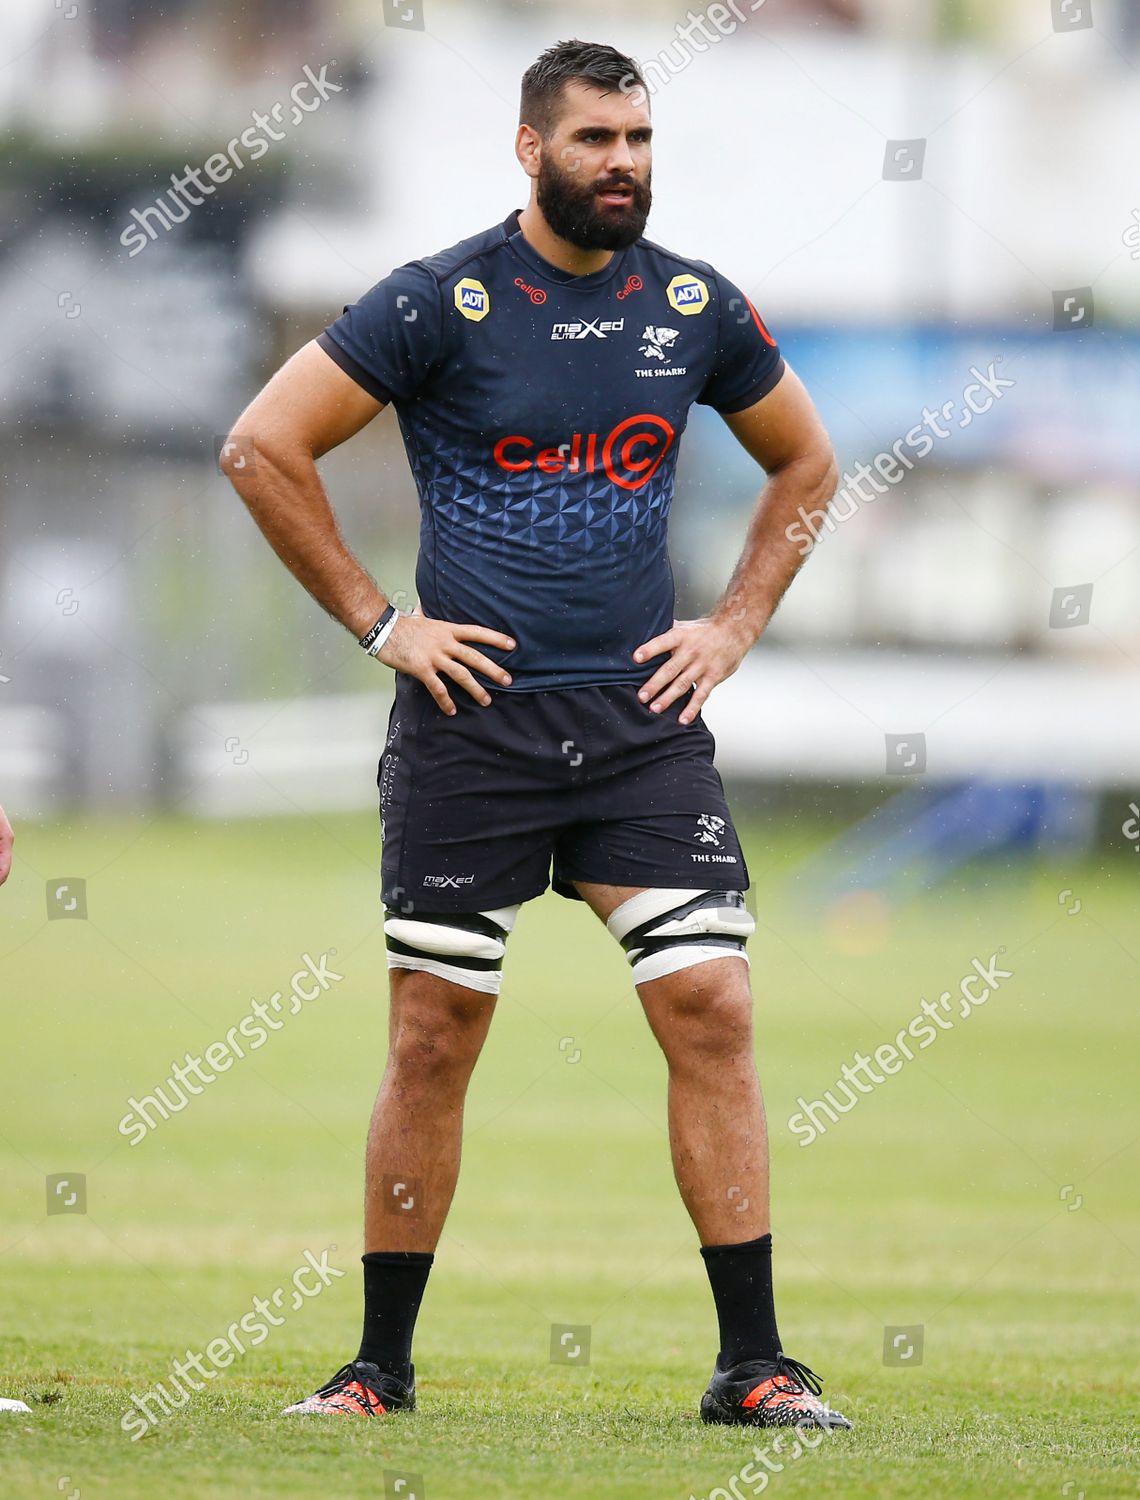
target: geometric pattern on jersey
<point>578,512</point>
<point>542,415</point>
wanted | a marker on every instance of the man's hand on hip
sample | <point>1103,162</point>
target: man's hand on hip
<point>702,653</point>
<point>433,649</point>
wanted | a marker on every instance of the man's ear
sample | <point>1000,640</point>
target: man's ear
<point>528,149</point>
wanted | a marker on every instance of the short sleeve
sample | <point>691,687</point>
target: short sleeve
<point>389,341</point>
<point>748,362</point>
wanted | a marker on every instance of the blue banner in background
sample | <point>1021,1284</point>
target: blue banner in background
<point>1072,412</point>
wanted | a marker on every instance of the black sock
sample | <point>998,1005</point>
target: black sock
<point>741,1281</point>
<point>394,1282</point>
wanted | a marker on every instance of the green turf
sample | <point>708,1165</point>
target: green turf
<point>940,1200</point>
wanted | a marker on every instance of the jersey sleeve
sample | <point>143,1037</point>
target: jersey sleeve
<point>748,363</point>
<point>388,342</point>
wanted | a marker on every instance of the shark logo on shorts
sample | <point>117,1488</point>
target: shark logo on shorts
<point>709,830</point>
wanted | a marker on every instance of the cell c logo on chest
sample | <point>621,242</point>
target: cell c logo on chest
<point>472,299</point>
<point>629,456</point>
<point>535,293</point>
<point>687,295</point>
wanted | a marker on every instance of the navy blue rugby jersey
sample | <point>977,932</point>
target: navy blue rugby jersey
<point>541,413</point>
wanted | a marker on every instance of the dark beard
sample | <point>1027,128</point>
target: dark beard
<point>575,214</point>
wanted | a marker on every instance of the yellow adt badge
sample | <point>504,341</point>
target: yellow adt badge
<point>687,295</point>
<point>472,299</point>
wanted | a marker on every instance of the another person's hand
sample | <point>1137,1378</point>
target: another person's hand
<point>434,649</point>
<point>7,839</point>
<point>702,653</point>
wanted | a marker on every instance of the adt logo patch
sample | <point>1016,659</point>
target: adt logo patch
<point>472,299</point>
<point>687,295</point>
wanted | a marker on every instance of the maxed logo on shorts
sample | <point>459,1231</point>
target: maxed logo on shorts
<point>629,456</point>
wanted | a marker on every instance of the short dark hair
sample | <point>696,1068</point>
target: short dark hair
<point>566,62</point>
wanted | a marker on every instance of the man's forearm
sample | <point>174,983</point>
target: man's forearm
<point>286,498</point>
<point>771,559</point>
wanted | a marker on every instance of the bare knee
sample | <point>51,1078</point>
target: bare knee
<point>701,1016</point>
<point>436,1035</point>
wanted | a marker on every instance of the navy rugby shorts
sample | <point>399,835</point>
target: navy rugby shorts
<point>480,810</point>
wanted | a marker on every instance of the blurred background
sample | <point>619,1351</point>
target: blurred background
<point>912,194</point>
<point>933,754</point>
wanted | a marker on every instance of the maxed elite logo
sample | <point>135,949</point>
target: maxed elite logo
<point>597,328</point>
<point>472,299</point>
<point>629,456</point>
<point>687,295</point>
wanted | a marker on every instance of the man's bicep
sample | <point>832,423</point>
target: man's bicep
<point>782,426</point>
<point>310,403</point>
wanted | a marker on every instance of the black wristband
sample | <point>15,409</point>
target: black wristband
<point>375,638</point>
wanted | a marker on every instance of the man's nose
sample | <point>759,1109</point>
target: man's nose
<point>620,159</point>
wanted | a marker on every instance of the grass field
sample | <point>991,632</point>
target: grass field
<point>986,1192</point>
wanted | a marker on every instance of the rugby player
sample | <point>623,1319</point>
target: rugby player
<point>547,715</point>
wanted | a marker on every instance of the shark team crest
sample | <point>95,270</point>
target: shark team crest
<point>710,830</point>
<point>657,341</point>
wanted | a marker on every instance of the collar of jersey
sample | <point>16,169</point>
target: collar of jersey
<point>526,252</point>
